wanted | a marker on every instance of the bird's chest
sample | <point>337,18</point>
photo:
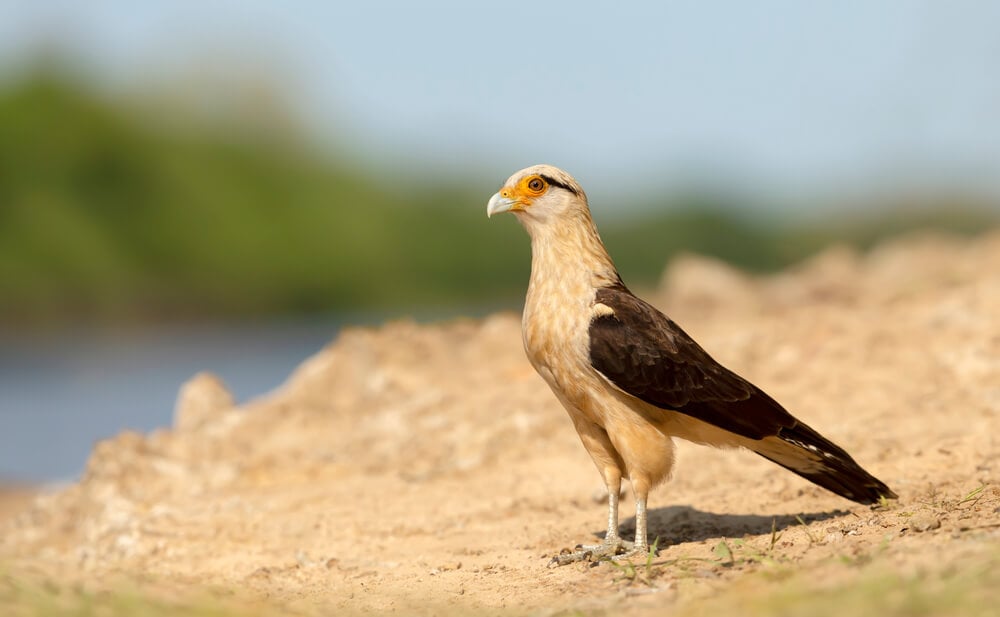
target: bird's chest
<point>555,330</point>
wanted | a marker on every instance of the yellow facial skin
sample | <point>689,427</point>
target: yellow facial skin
<point>518,197</point>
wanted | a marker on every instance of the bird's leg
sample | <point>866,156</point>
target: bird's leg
<point>641,540</point>
<point>614,492</point>
<point>613,542</point>
<point>640,548</point>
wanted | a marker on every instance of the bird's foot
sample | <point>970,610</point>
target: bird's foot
<point>640,553</point>
<point>610,549</point>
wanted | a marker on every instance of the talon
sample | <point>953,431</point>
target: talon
<point>639,551</point>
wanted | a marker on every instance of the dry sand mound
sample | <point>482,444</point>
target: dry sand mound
<point>426,465</point>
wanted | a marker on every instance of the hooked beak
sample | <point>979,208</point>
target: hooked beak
<point>499,203</point>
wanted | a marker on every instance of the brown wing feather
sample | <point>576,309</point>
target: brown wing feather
<point>648,356</point>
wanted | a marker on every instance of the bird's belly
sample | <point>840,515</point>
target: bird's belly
<point>569,386</point>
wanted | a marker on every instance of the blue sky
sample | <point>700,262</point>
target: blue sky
<point>782,97</point>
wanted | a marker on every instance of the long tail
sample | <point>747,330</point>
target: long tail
<point>805,452</point>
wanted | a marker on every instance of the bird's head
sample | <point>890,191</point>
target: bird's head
<point>539,194</point>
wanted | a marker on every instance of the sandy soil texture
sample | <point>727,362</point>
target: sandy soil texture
<point>428,466</point>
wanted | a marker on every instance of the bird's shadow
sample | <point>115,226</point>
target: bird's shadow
<point>678,524</point>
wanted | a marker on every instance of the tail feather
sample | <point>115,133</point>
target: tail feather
<point>805,452</point>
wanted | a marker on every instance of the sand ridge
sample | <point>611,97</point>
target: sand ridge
<point>415,465</point>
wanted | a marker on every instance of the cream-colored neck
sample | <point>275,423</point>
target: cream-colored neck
<point>568,255</point>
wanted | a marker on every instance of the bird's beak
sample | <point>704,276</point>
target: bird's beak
<point>499,203</point>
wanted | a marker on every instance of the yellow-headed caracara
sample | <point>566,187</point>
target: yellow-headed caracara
<point>630,378</point>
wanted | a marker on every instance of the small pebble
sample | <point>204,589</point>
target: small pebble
<point>924,521</point>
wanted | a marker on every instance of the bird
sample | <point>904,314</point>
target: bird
<point>631,379</point>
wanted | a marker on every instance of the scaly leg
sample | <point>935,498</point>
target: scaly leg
<point>613,543</point>
<point>640,548</point>
<point>614,492</point>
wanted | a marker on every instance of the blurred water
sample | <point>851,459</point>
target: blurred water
<point>60,393</point>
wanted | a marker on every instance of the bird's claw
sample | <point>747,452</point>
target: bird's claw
<point>627,556</point>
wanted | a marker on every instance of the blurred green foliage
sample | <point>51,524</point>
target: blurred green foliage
<point>107,213</point>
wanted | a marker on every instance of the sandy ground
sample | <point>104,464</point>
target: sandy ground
<point>428,466</point>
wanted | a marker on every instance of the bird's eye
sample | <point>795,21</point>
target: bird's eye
<point>536,185</point>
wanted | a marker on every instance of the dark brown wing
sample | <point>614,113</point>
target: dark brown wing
<point>648,356</point>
